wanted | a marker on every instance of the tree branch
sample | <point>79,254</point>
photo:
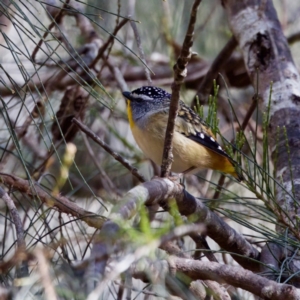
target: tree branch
<point>158,190</point>
<point>218,63</point>
<point>63,204</point>
<point>107,148</point>
<point>223,274</point>
<point>180,73</point>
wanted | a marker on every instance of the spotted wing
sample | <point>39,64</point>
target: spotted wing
<point>193,127</point>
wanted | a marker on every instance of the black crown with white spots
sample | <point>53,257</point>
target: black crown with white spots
<point>152,92</point>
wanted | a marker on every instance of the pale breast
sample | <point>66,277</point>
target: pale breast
<point>151,143</point>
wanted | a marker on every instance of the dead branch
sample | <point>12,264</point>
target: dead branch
<point>15,217</point>
<point>158,190</point>
<point>63,204</point>
<point>235,276</point>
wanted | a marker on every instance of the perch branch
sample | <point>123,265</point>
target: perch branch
<point>180,73</point>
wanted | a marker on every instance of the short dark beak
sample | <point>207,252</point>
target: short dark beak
<point>127,95</point>
<point>131,97</point>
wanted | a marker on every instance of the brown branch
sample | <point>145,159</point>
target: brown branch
<point>107,148</point>
<point>180,73</point>
<point>223,274</point>
<point>53,23</point>
<point>63,204</point>
<point>141,51</point>
<point>294,38</point>
<point>236,276</point>
<point>158,190</point>
<point>105,180</point>
<point>15,217</point>
<point>218,63</point>
<point>105,45</point>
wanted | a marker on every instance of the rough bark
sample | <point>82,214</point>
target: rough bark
<point>257,29</point>
<point>223,274</point>
<point>265,49</point>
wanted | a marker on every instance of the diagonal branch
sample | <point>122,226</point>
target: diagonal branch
<point>107,148</point>
<point>55,21</point>
<point>207,82</point>
<point>63,204</point>
<point>160,189</point>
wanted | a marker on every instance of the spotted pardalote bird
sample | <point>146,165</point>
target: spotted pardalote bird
<point>194,145</point>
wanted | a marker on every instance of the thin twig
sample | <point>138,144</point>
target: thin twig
<point>180,73</point>
<point>106,181</point>
<point>250,111</point>
<point>201,244</point>
<point>109,50</point>
<point>141,51</point>
<point>121,289</point>
<point>22,270</point>
<point>118,76</point>
<point>63,204</point>
<point>105,45</point>
<point>44,271</point>
<point>56,20</point>
<point>15,217</point>
<point>107,148</point>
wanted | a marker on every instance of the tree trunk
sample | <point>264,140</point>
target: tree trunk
<point>256,27</point>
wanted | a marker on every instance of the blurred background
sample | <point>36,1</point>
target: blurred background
<point>59,64</point>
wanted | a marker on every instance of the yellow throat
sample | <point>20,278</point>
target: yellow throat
<point>129,112</point>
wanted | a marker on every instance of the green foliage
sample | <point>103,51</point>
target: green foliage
<point>211,118</point>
